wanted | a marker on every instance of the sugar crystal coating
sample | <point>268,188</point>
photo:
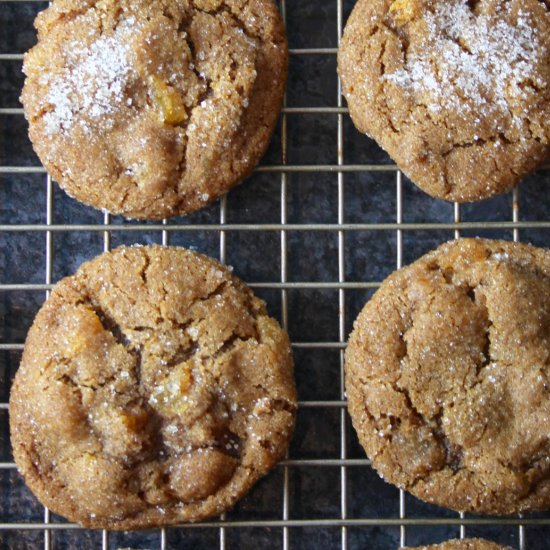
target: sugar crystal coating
<point>463,544</point>
<point>94,82</point>
<point>473,62</point>
<point>456,91</point>
<point>153,108</point>
<point>153,389</point>
<point>448,377</point>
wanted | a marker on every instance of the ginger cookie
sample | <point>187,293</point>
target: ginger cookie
<point>464,544</point>
<point>448,377</point>
<point>456,91</point>
<point>153,389</point>
<point>154,108</point>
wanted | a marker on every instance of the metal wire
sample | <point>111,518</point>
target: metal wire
<point>284,277</point>
<point>50,229</point>
<point>301,523</point>
<point>223,259</point>
<point>342,333</point>
<point>48,281</point>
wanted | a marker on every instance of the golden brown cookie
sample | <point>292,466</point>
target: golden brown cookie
<point>448,377</point>
<point>464,544</point>
<point>153,108</point>
<point>456,91</point>
<point>153,389</point>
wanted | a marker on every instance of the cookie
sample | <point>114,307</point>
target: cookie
<point>464,544</point>
<point>153,389</point>
<point>456,91</point>
<point>154,108</point>
<point>448,377</point>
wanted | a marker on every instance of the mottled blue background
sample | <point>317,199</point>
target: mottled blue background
<point>370,255</point>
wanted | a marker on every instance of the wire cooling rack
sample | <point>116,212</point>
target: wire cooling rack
<point>320,223</point>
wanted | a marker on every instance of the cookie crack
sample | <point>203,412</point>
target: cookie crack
<point>72,14</point>
<point>230,344</point>
<point>234,15</point>
<point>409,402</point>
<point>112,327</point>
<point>209,87</point>
<point>480,301</point>
<point>386,107</point>
<point>145,267</point>
<point>472,4</point>
<point>453,452</point>
<point>486,352</point>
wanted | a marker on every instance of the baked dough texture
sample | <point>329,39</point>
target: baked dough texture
<point>456,91</point>
<point>464,544</point>
<point>153,389</point>
<point>447,376</point>
<point>153,108</point>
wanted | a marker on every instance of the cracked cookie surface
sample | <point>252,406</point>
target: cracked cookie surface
<point>463,544</point>
<point>447,377</point>
<point>153,389</point>
<point>154,108</point>
<point>456,91</point>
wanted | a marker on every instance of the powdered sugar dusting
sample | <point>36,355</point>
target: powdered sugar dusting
<point>93,84</point>
<point>472,62</point>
